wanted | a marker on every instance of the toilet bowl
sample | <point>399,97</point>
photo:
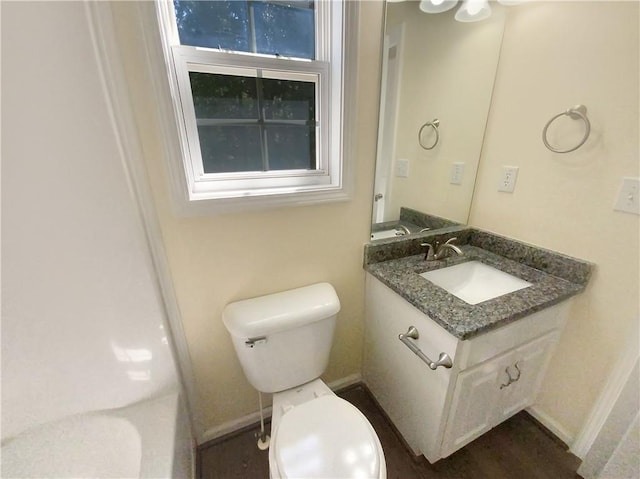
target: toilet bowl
<point>315,433</point>
<point>283,341</point>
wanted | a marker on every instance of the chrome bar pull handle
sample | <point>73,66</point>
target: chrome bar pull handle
<point>412,333</point>
<point>444,359</point>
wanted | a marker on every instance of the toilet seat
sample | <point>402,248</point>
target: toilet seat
<point>326,437</point>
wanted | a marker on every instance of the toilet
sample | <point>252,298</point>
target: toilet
<point>283,342</point>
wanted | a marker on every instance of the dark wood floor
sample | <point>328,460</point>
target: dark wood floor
<point>517,449</point>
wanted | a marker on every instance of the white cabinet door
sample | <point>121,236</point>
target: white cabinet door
<point>487,394</point>
<point>526,369</point>
<point>473,406</point>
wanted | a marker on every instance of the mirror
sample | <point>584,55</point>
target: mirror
<point>437,80</point>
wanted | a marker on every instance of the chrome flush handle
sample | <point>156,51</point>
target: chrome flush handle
<point>252,342</point>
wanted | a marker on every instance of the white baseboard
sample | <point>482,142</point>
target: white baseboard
<point>551,424</point>
<point>232,426</point>
<point>345,382</point>
<point>250,419</point>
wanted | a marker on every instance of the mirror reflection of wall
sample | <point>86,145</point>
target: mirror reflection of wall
<point>434,67</point>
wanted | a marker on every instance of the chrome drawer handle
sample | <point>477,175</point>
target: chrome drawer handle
<point>444,359</point>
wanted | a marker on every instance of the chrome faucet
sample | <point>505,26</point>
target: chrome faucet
<point>441,251</point>
<point>402,230</point>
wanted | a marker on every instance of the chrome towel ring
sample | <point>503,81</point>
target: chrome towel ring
<point>578,112</point>
<point>433,124</point>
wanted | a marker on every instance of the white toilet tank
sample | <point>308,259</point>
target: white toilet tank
<point>284,339</point>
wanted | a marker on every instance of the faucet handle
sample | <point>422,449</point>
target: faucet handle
<point>442,250</point>
<point>429,255</point>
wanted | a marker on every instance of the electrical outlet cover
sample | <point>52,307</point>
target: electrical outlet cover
<point>508,179</point>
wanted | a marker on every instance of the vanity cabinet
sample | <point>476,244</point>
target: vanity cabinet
<point>494,375</point>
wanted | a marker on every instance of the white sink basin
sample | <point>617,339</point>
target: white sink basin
<point>475,282</point>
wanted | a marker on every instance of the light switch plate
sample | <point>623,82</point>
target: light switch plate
<point>628,199</point>
<point>457,172</point>
<point>402,168</point>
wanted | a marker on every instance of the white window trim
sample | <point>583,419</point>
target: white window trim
<point>186,60</point>
<point>189,196</point>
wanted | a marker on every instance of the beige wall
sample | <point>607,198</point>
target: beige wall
<point>215,260</point>
<point>556,55</point>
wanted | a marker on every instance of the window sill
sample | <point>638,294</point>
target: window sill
<point>203,206</point>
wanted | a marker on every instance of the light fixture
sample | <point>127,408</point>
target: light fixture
<point>437,6</point>
<point>473,11</point>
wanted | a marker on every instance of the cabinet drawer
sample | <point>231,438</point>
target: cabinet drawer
<point>486,346</point>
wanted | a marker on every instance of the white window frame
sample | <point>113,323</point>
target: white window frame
<point>197,192</point>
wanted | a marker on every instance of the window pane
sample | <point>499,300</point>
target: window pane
<point>214,24</point>
<point>285,29</point>
<point>289,100</point>
<point>276,28</point>
<point>291,147</point>
<point>227,149</point>
<point>254,124</point>
<point>224,96</point>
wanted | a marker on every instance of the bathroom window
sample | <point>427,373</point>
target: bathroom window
<point>257,95</point>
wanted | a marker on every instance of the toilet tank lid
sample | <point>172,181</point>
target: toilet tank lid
<point>281,311</point>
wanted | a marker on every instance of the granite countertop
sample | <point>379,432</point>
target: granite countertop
<point>464,320</point>
<point>415,221</point>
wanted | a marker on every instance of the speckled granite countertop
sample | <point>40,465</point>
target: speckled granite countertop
<point>415,221</point>
<point>555,278</point>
